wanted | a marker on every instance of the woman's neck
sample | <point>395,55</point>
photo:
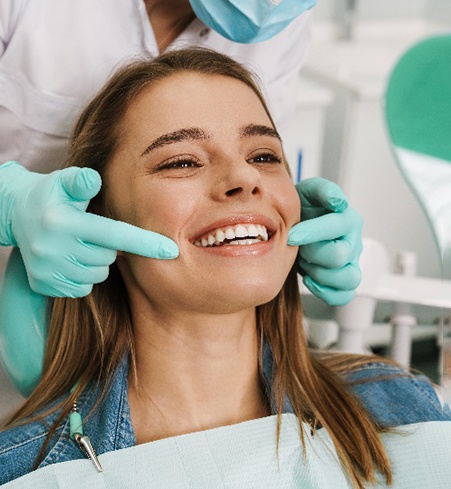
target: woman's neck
<point>168,18</point>
<point>194,373</point>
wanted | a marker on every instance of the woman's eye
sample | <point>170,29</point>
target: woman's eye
<point>179,164</point>
<point>265,158</point>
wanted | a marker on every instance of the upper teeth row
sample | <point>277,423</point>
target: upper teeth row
<point>218,236</point>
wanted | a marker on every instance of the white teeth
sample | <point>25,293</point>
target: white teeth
<point>253,230</point>
<point>220,236</point>
<point>247,233</point>
<point>241,242</point>
<point>241,231</point>
<point>229,233</point>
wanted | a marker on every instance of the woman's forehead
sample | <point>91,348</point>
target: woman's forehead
<point>191,98</point>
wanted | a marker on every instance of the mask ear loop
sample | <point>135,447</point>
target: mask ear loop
<point>76,433</point>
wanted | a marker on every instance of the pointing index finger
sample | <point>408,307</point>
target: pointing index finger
<point>324,228</point>
<point>118,235</point>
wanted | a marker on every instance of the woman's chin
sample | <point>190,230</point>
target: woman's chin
<point>239,298</point>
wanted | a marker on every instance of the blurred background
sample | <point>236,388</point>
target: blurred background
<point>340,120</point>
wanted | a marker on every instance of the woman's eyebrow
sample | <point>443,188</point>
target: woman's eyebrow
<point>177,136</point>
<point>259,130</point>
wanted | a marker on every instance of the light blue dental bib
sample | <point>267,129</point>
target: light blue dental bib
<point>244,456</point>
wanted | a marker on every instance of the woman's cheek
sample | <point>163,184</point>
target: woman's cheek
<point>290,203</point>
<point>164,207</point>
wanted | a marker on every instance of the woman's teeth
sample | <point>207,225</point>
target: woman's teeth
<point>242,234</point>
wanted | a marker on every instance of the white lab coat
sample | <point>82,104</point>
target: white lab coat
<point>56,54</point>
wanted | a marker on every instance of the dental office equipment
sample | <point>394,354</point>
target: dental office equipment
<point>418,116</point>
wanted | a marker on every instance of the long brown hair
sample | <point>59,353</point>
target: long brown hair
<point>88,337</point>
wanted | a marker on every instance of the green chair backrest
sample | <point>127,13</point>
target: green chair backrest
<point>418,117</point>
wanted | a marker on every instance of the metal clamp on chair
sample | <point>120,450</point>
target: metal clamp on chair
<point>418,118</point>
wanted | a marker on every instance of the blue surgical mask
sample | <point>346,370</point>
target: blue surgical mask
<point>249,21</point>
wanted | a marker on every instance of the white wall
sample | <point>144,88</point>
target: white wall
<point>435,10</point>
<point>439,11</point>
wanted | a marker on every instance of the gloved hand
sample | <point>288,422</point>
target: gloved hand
<point>65,249</point>
<point>330,240</point>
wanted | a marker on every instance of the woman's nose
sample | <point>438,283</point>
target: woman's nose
<point>239,180</point>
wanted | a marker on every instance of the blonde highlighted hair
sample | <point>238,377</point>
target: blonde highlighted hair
<point>100,325</point>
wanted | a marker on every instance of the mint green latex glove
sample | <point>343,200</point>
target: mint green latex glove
<point>23,321</point>
<point>330,240</point>
<point>65,249</point>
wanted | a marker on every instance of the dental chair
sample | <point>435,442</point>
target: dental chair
<point>418,119</point>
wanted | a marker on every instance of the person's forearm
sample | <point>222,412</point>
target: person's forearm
<point>23,319</point>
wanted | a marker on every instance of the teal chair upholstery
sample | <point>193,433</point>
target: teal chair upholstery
<point>418,117</point>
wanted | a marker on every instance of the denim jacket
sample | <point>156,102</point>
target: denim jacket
<point>392,400</point>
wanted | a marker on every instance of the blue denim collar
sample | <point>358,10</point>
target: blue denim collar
<point>267,371</point>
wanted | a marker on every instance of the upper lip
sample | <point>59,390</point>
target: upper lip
<point>235,220</point>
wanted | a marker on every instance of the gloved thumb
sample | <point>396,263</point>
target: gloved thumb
<point>319,192</point>
<point>80,183</point>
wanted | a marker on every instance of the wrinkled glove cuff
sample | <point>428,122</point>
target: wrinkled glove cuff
<point>11,174</point>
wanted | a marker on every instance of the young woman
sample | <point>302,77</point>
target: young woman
<point>186,146</point>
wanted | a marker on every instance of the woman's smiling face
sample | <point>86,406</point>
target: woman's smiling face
<point>199,161</point>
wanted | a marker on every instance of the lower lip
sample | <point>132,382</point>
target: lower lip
<point>255,249</point>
